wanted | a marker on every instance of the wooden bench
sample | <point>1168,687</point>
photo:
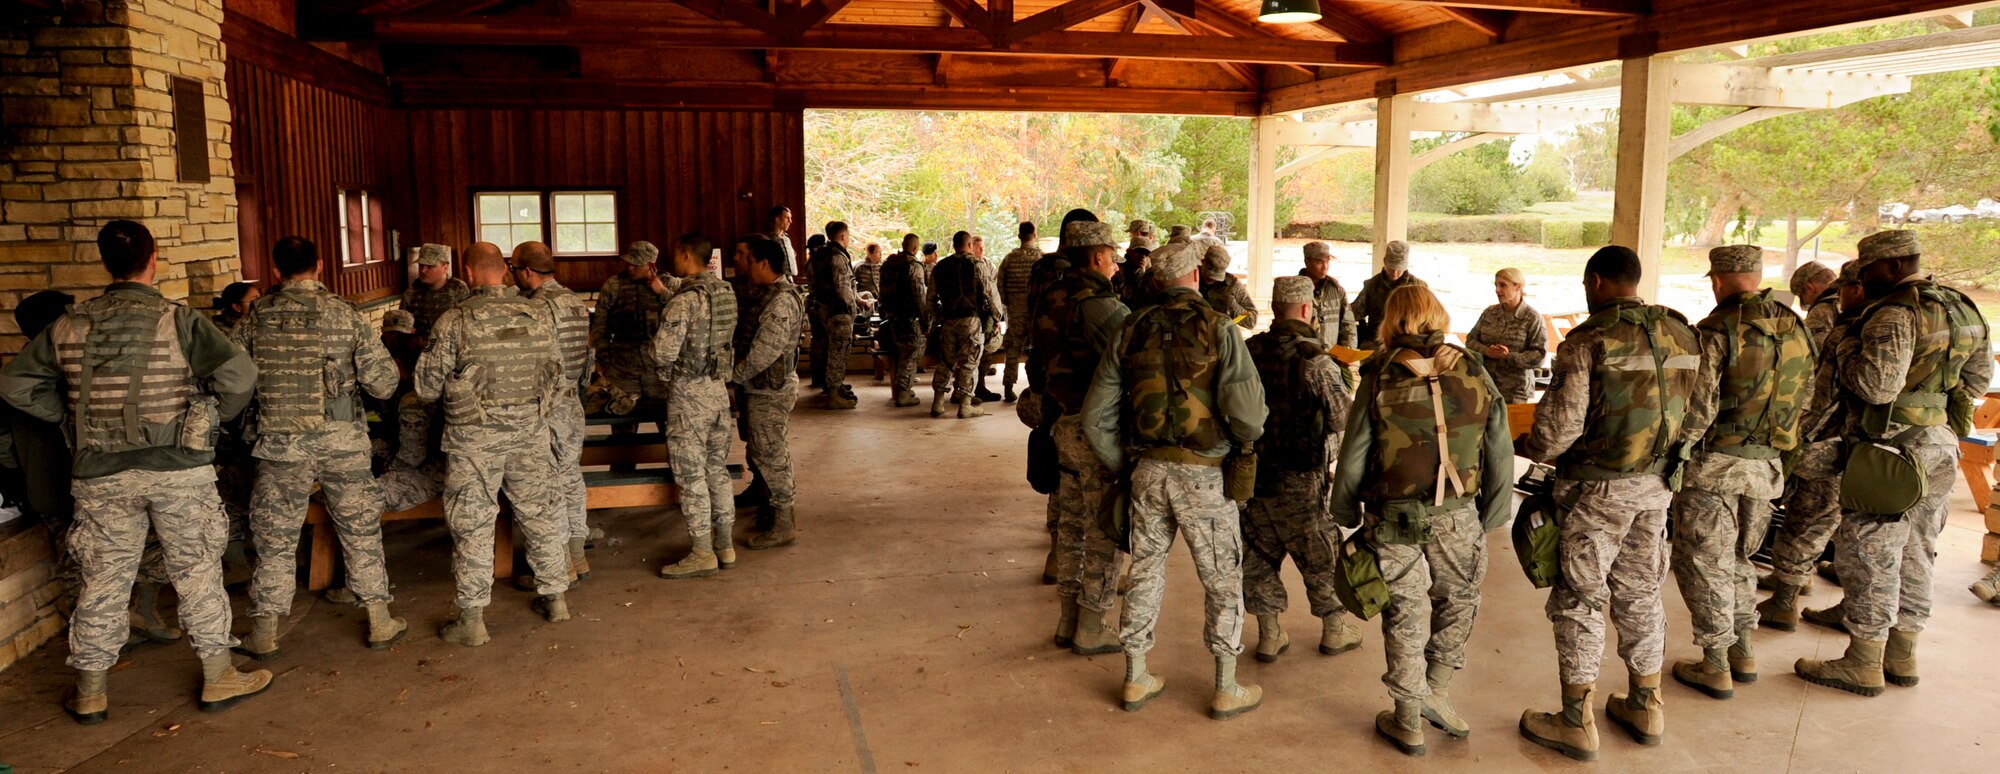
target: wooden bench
<point>637,488</point>
<point>624,449</point>
<point>326,545</point>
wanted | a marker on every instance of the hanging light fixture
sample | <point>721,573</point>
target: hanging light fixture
<point>1289,11</point>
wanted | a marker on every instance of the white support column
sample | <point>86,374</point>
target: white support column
<point>1263,214</point>
<point>1392,171</point>
<point>1645,121</point>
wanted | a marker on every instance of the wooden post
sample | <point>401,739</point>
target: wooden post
<point>1263,202</point>
<point>1392,171</point>
<point>1639,209</point>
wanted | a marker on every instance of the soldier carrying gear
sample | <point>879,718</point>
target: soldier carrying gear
<point>906,318</point>
<point>1610,422</point>
<point>494,364</point>
<point>628,311</point>
<point>1425,470</point>
<point>1754,385</point>
<point>1375,292</point>
<point>1812,287</point>
<point>1044,275</point>
<point>1330,312</point>
<point>1908,377</point>
<point>767,341</point>
<point>142,384</point>
<point>315,355</point>
<point>1222,290</point>
<point>693,350</point>
<point>833,306</point>
<point>1015,271</point>
<point>434,290</point>
<point>961,297</point>
<point>1193,398</point>
<point>1307,400</point>
<point>534,267</point>
<point>1142,234</point>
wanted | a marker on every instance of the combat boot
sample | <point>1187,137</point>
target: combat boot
<point>1830,617</point>
<point>1639,711</point>
<point>1403,727</point>
<point>1572,732</point>
<point>1337,636</point>
<point>88,701</point>
<point>1231,698</point>
<point>579,565</point>
<point>754,495</point>
<point>781,534</point>
<point>1007,394</point>
<point>262,641</point>
<point>1771,582</point>
<point>223,686</point>
<point>1710,675</point>
<point>725,557</point>
<point>1743,659</point>
<point>1987,589</point>
<point>937,404</point>
<point>1781,611</point>
<point>1827,571</point>
<point>1858,671</point>
<point>1899,659</point>
<point>384,630</point>
<point>841,399</point>
<point>552,607</point>
<point>907,399</point>
<point>699,563</point>
<point>468,629</point>
<point>1271,639</point>
<point>1437,707</point>
<point>1140,686</point>
<point>1049,568</point>
<point>146,619</point>
<point>969,409</point>
<point>1093,638</point>
<point>526,581</point>
<point>1066,625</point>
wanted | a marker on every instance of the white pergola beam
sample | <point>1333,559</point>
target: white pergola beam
<point>1741,86</point>
<point>1310,158</point>
<point>1700,135</point>
<point>1438,153</point>
<point>1322,133</point>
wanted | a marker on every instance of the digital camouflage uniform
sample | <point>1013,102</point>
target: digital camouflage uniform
<point>1812,508</point>
<point>315,355</point>
<point>129,478</point>
<point>693,350</point>
<point>868,278</point>
<point>621,333</point>
<point>1307,401</point>
<point>566,420</point>
<point>905,309</point>
<point>1083,313</point>
<point>959,302</point>
<point>1526,338</point>
<point>1015,271</point>
<point>1330,310</point>
<point>833,305</point>
<point>1607,423</point>
<point>767,336</point>
<point>493,365</point>
<point>427,304</point>
<point>1367,308</point>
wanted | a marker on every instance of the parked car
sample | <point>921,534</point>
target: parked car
<point>1986,209</point>
<point>1893,213</point>
<point>1957,213</point>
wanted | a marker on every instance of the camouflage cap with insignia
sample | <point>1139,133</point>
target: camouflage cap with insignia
<point>1883,245</point>
<point>1736,259</point>
<point>1317,250</point>
<point>1214,258</point>
<point>399,321</point>
<point>433,255</point>
<point>1292,290</point>
<point>1141,227</point>
<point>641,253</point>
<point>1396,255</point>
<point>1809,273</point>
<point>1176,260</point>
<point>1091,234</point>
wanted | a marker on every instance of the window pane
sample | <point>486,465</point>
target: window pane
<point>570,238</point>
<point>600,208</point>
<point>495,234</point>
<point>603,238</point>
<point>530,233</point>
<point>526,208</point>
<point>568,208</point>
<point>493,208</point>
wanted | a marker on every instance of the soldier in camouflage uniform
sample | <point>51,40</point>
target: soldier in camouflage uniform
<point>1374,292</point>
<point>781,234</point>
<point>693,350</point>
<point>621,333</point>
<point>434,291</point>
<point>1812,286</point>
<point>1610,422</point>
<point>1080,313</point>
<point>868,274</point>
<point>833,306</point>
<point>1194,397</point>
<point>86,371</point>
<point>767,335</point>
<point>415,473</point>
<point>1512,337</point>
<point>1307,400</point>
<point>494,365</point>
<point>1222,290</point>
<point>534,267</point>
<point>1425,471</point>
<point>991,320</point>
<point>1910,377</point>
<point>1754,385</point>
<point>1015,271</point>
<point>1142,233</point>
<point>315,354</point>
<point>958,301</point>
<point>906,319</point>
<point>1330,312</point>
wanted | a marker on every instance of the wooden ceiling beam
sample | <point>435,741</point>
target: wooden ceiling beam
<point>1208,16</point>
<point>1577,7</point>
<point>1114,69</point>
<point>1063,17</point>
<point>971,15</point>
<point>733,11</point>
<point>1347,25</point>
<point>813,14</point>
<point>443,93</point>
<point>1492,24</point>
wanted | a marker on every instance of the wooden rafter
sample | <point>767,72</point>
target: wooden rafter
<point>733,11</point>
<point>1579,7</point>
<point>1182,25</point>
<point>969,14</point>
<point>1348,26</point>
<point>1221,22</point>
<point>1114,70</point>
<point>813,14</point>
<point>1063,17</point>
<point>1492,24</point>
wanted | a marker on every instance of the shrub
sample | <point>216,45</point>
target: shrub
<point>1569,234</point>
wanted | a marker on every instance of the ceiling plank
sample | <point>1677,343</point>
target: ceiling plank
<point>738,12</point>
<point>813,14</point>
<point>1347,25</point>
<point>970,14</point>
<point>1578,7</point>
<point>1063,17</point>
<point>629,94</point>
<point>1218,21</point>
<point>1492,24</point>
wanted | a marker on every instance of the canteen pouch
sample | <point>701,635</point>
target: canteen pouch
<point>1239,480</point>
<point>1404,523</point>
<point>200,424</point>
<point>340,404</point>
<point>1357,578</point>
<point>461,398</point>
<point>1881,480</point>
<point>1044,473</point>
<point>1958,413</point>
<point>1116,521</point>
<point>1675,472</point>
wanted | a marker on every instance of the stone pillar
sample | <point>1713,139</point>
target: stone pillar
<point>88,136</point>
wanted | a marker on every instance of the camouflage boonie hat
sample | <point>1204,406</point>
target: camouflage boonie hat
<point>1886,244</point>
<point>1176,260</point>
<point>399,321</point>
<point>1735,259</point>
<point>1809,273</point>
<point>1292,290</point>
<point>1396,255</point>
<point>1317,250</point>
<point>641,253</point>
<point>1091,234</point>
<point>433,255</point>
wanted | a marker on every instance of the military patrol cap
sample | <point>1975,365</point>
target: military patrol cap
<point>1396,255</point>
<point>538,261</point>
<point>1292,290</point>
<point>1141,227</point>
<point>1176,260</point>
<point>641,253</point>
<point>1883,245</point>
<point>1850,272</point>
<point>433,255</point>
<point>1736,259</point>
<point>399,321</point>
<point>1808,273</point>
<point>1214,257</point>
<point>1317,250</point>
<point>1179,231</point>
<point>1091,234</point>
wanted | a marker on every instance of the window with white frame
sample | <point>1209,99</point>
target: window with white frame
<point>362,233</point>
<point>586,222</point>
<point>509,218</point>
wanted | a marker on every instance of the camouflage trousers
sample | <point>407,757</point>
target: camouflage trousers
<point>832,343</point>
<point>1433,597</point>
<point>417,424</point>
<point>1885,566</point>
<point>698,451</point>
<point>1015,344</point>
<point>278,513</point>
<point>961,348</point>
<point>1812,511</point>
<point>571,497</point>
<point>1292,521</point>
<point>632,372</point>
<point>405,488</point>
<point>1171,497</point>
<point>520,464</point>
<point>1086,557</point>
<point>1719,520</point>
<point>1613,554</point>
<point>113,514</point>
<point>768,419</point>
<point>906,343</point>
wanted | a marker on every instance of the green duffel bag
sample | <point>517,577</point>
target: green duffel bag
<point>1881,480</point>
<point>1357,578</point>
<point>1538,539</point>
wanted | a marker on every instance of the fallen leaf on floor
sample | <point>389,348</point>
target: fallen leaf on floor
<point>625,604</point>
<point>683,662</point>
<point>450,679</point>
<point>756,670</point>
<point>402,696</point>
<point>767,722</point>
<point>776,684</point>
<point>713,700</point>
<point>173,726</point>
<point>963,628</point>
<point>281,754</point>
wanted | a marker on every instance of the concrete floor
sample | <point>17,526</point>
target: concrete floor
<point>908,631</point>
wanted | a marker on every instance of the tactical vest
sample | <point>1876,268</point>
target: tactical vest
<point>721,328</point>
<point>751,320</point>
<point>1221,295</point>
<point>1638,392</point>
<point>1431,399</point>
<point>129,383</point>
<point>1330,308</point>
<point>823,278</point>
<point>958,291</point>
<point>427,305</point>
<point>632,315</point>
<point>1764,375</point>
<point>1295,432</point>
<point>508,341</point>
<point>572,322</point>
<point>1072,363</point>
<point>305,361</point>
<point>899,295</point>
<point>1171,367</point>
<point>1948,327</point>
